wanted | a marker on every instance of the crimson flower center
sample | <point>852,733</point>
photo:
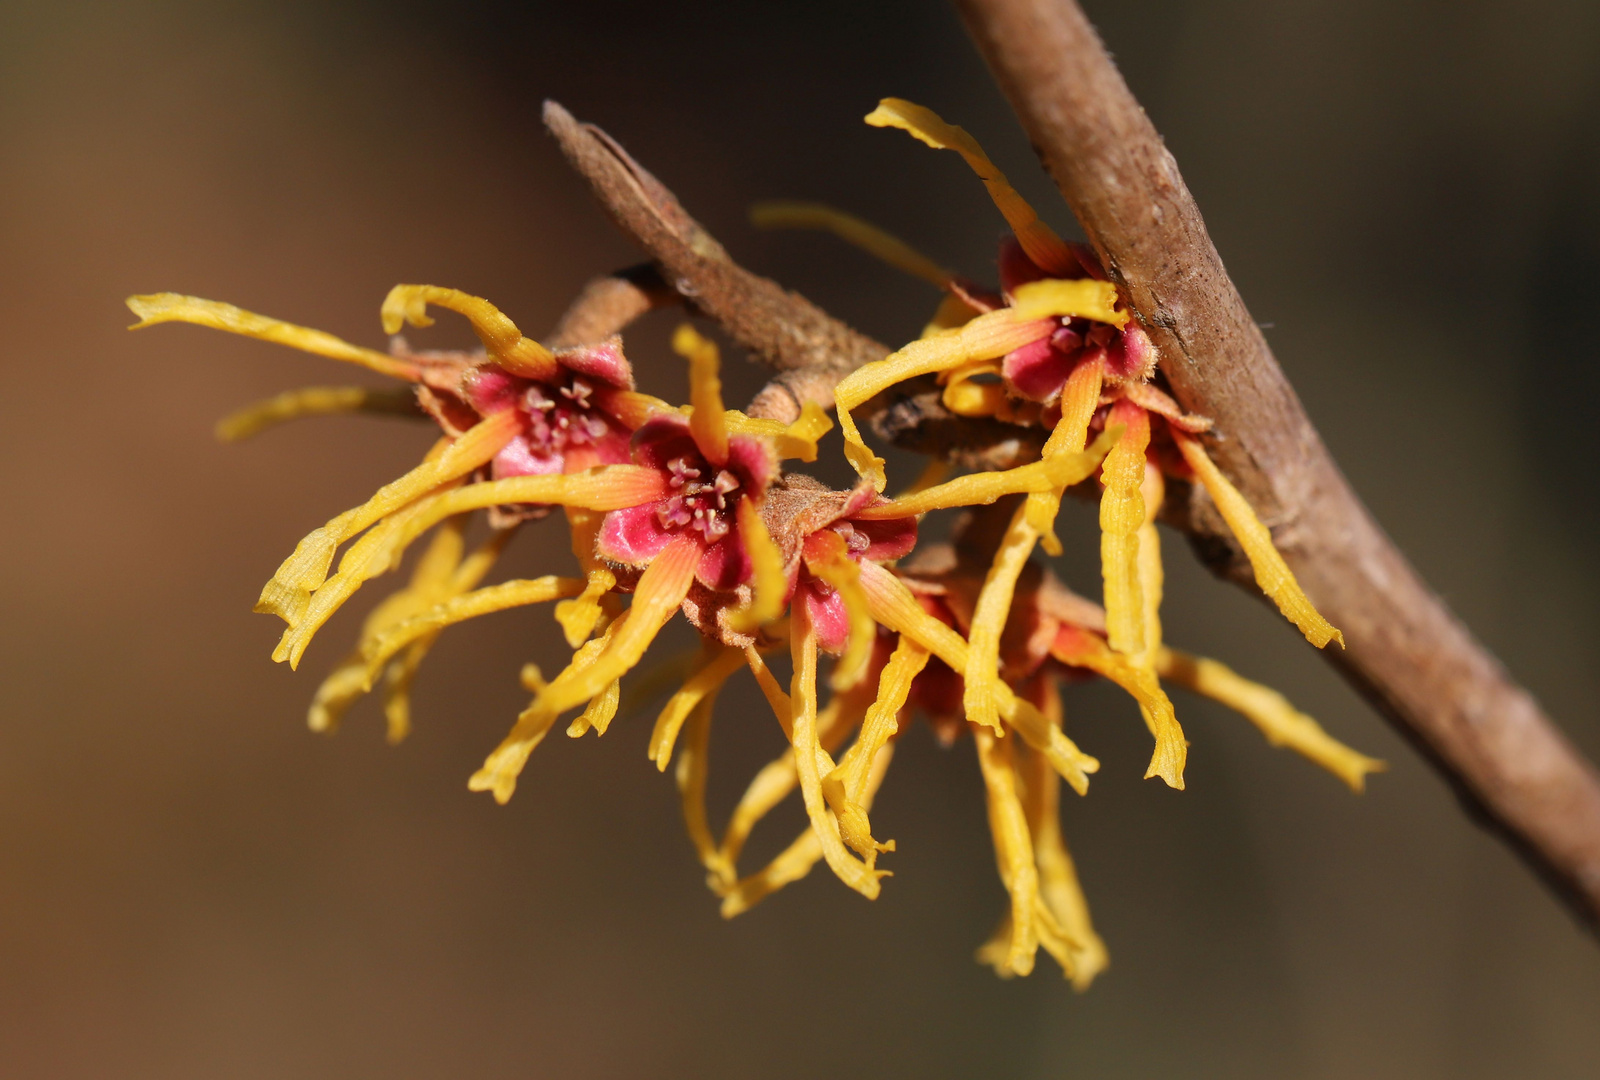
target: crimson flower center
<point>706,506</point>
<point>562,416</point>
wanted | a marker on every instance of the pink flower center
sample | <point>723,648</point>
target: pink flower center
<point>706,507</point>
<point>562,416</point>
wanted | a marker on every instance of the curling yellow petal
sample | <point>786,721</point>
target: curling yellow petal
<point>827,556</point>
<point>953,311</point>
<point>993,608</point>
<point>1043,246</point>
<point>500,336</point>
<point>578,617</point>
<point>1084,954</point>
<point>1013,846</point>
<point>965,397</point>
<point>985,337</point>
<point>716,664</point>
<point>1269,711</point>
<point>1122,514</point>
<point>376,552</point>
<point>893,605</point>
<point>610,488</point>
<point>661,589</point>
<point>1082,297</point>
<point>766,561</point>
<point>601,708</point>
<point>1064,468</point>
<point>693,763</point>
<point>852,230</point>
<point>314,401</point>
<point>859,876</point>
<point>173,307</point>
<point>845,785</point>
<point>980,489</point>
<point>795,861</point>
<point>706,422</point>
<point>289,591</point>
<point>796,440</point>
<point>1272,573</point>
<point>773,783</point>
<point>501,597</point>
<point>347,683</point>
<point>1085,650</point>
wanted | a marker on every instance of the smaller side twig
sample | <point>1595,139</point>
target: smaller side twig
<point>609,303</point>
<point>810,349</point>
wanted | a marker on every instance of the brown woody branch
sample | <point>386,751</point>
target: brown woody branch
<point>1407,653</point>
<point>810,350</point>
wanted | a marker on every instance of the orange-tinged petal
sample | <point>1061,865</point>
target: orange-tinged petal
<point>1041,243</point>
<point>174,307</point>
<point>796,860</point>
<point>796,440</point>
<point>1082,649</point>
<point>706,422</point>
<point>985,337</point>
<point>377,650</point>
<point>1051,473</point>
<point>769,581</point>
<point>782,707</point>
<point>808,750</point>
<point>1013,846</point>
<point>500,336</point>
<point>1270,712</point>
<point>773,783</point>
<point>845,785</point>
<point>288,593</point>
<point>852,230</point>
<point>893,605</point>
<point>661,589</point>
<point>715,665</point>
<point>1272,573</point>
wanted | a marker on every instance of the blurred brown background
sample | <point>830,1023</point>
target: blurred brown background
<point>191,885</point>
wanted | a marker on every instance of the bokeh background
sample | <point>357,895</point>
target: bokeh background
<point>191,885</point>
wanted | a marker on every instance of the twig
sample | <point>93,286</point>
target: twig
<point>810,349</point>
<point>609,303</point>
<point>1407,653</point>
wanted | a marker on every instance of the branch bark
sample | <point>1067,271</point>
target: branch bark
<point>1407,653</point>
<point>810,349</point>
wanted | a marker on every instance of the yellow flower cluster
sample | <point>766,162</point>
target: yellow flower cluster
<point>688,509</point>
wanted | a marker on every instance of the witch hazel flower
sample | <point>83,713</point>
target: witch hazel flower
<point>1053,637</point>
<point>525,428</point>
<point>1056,346</point>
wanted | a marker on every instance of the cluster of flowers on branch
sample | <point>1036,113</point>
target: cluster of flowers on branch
<point>693,509</point>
